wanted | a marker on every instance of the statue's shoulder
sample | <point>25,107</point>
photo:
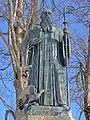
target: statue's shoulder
<point>57,33</point>
<point>34,27</point>
<point>57,29</point>
<point>32,32</point>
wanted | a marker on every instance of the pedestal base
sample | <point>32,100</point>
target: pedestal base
<point>47,118</point>
<point>36,112</point>
<point>46,111</point>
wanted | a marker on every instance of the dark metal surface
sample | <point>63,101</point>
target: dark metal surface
<point>44,50</point>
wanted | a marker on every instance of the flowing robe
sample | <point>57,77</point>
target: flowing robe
<point>45,52</point>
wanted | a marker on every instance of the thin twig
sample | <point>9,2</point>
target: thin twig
<point>4,102</point>
<point>9,112</point>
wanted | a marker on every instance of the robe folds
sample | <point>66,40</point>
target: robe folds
<point>45,53</point>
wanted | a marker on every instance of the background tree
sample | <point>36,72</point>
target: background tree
<point>17,16</point>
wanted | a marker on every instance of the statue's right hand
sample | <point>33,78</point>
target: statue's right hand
<point>35,42</point>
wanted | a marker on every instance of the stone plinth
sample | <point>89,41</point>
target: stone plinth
<point>36,110</point>
<point>46,113</point>
<point>47,118</point>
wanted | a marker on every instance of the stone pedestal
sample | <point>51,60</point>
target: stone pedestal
<point>36,110</point>
<point>45,118</point>
<point>46,113</point>
<point>48,118</point>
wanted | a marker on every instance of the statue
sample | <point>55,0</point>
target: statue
<point>29,97</point>
<point>43,49</point>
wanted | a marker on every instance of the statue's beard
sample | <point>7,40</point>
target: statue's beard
<point>48,19</point>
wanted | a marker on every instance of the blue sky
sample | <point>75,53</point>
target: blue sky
<point>10,97</point>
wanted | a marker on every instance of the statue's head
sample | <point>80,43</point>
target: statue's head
<point>46,20</point>
<point>46,15</point>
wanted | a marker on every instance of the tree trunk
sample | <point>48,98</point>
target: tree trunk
<point>87,83</point>
<point>21,82</point>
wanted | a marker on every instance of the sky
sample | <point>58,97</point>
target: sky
<point>10,97</point>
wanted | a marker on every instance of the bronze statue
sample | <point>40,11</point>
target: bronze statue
<point>43,49</point>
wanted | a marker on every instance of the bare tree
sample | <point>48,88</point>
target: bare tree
<point>13,13</point>
<point>18,15</point>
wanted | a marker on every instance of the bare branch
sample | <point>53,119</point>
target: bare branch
<point>12,53</point>
<point>56,7</point>
<point>5,85</point>
<point>6,66</point>
<point>80,115</point>
<point>11,25</point>
<point>8,106</point>
<point>15,10</point>
<point>9,112</point>
<point>3,38</point>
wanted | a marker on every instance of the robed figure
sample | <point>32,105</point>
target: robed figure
<point>43,49</point>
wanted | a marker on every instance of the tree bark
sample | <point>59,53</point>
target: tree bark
<point>87,83</point>
<point>19,30</point>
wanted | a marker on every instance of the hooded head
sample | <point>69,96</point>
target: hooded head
<point>46,15</point>
<point>46,20</point>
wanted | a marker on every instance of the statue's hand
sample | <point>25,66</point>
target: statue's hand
<point>37,41</point>
<point>34,42</point>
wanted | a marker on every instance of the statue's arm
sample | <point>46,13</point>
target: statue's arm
<point>35,36</point>
<point>31,39</point>
<point>34,42</point>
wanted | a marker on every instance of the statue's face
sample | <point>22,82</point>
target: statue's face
<point>46,15</point>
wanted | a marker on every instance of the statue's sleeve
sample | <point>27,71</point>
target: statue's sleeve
<point>31,38</point>
<point>62,48</point>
